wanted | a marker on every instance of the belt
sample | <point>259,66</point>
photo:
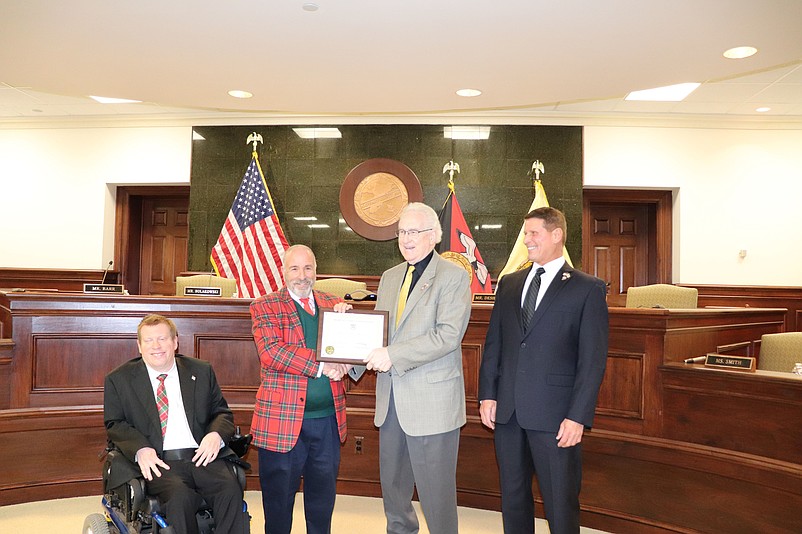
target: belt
<point>181,455</point>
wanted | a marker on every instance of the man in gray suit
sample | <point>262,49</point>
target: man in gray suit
<point>420,391</point>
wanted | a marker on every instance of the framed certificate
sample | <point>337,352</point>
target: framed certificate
<point>349,337</point>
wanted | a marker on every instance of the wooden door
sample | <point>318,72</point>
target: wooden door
<point>165,229</point>
<point>627,239</point>
<point>620,248</point>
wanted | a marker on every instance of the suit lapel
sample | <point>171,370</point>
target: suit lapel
<point>517,290</point>
<point>561,279</point>
<point>140,381</point>
<point>187,381</point>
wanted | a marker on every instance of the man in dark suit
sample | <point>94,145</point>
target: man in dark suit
<point>166,413</point>
<point>543,363</point>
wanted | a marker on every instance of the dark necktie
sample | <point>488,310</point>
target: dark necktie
<point>161,403</point>
<point>530,301</point>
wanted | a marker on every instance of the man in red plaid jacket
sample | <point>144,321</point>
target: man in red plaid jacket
<point>299,415</point>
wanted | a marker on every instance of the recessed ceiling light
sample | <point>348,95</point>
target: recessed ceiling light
<point>740,52</point>
<point>236,93</point>
<point>669,93</point>
<point>469,92</point>
<point>466,132</point>
<point>309,6</point>
<point>318,133</point>
<point>109,100</point>
<point>763,110</point>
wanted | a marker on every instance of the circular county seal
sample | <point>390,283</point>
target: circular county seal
<point>373,195</point>
<point>379,199</point>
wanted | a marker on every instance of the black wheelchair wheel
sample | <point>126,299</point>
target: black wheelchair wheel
<point>96,524</point>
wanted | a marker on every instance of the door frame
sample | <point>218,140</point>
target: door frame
<point>128,230</point>
<point>660,204</point>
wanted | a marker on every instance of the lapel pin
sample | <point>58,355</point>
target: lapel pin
<point>193,377</point>
<point>566,276</point>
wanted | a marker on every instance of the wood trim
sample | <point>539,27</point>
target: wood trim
<point>52,279</point>
<point>755,297</point>
<point>660,203</point>
<point>128,230</point>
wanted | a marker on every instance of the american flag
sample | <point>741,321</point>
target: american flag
<point>251,245</point>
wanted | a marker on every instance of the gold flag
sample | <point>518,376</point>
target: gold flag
<point>519,257</point>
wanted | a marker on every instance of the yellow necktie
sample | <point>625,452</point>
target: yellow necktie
<point>402,297</point>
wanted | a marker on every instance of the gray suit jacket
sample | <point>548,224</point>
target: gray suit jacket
<point>425,348</point>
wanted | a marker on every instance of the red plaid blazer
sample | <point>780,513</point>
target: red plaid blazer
<point>286,364</point>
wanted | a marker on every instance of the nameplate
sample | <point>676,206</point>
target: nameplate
<point>202,291</point>
<point>743,363</point>
<point>112,289</point>
<point>484,298</point>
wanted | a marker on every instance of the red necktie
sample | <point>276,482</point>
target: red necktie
<point>161,403</point>
<point>306,305</point>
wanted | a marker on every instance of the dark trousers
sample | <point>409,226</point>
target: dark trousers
<point>316,458</point>
<point>520,454</point>
<point>179,491</point>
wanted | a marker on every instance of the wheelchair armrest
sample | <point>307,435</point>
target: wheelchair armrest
<point>239,444</point>
<point>117,470</point>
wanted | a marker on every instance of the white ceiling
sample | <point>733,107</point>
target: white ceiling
<point>357,58</point>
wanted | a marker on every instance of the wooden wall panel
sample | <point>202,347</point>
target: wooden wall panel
<point>621,394</point>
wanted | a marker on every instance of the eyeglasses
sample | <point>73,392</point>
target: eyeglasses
<point>411,233</point>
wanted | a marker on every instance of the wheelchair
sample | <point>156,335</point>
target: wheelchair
<point>128,509</point>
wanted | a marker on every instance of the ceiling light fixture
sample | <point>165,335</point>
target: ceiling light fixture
<point>740,52</point>
<point>110,100</point>
<point>669,93</point>
<point>236,93</point>
<point>466,132</point>
<point>311,7</point>
<point>318,133</point>
<point>763,110</point>
<point>469,92</point>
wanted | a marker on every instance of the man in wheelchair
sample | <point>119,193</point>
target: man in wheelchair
<point>166,414</point>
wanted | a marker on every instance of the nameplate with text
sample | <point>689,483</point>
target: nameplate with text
<point>484,298</point>
<point>111,289</point>
<point>743,363</point>
<point>202,291</point>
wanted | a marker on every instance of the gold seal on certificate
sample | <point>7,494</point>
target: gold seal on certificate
<point>349,337</point>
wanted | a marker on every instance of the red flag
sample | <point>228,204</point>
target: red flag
<point>458,245</point>
<point>251,245</point>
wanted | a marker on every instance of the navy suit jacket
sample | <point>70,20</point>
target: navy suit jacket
<point>553,370</point>
<point>131,417</point>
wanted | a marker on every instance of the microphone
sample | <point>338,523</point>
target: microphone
<point>106,271</point>
<point>698,359</point>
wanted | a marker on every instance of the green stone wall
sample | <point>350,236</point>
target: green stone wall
<point>304,177</point>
